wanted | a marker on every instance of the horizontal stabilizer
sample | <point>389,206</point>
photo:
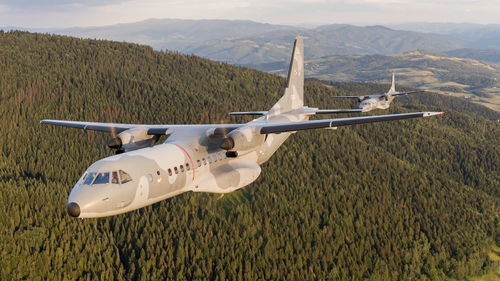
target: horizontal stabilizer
<point>406,93</point>
<point>328,123</point>
<point>248,113</point>
<point>331,111</point>
<point>349,97</point>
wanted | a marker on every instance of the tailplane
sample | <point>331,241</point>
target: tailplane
<point>294,91</point>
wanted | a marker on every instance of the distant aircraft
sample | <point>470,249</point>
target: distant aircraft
<point>218,158</point>
<point>380,101</point>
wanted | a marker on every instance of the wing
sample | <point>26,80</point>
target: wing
<point>329,111</point>
<point>406,93</point>
<point>151,129</point>
<point>349,97</point>
<point>92,126</point>
<point>248,113</point>
<point>329,123</point>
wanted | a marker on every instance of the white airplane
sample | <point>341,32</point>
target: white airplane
<point>380,101</point>
<point>218,158</point>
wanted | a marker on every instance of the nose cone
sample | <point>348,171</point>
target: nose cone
<point>73,209</point>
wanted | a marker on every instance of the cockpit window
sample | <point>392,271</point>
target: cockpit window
<point>89,178</point>
<point>124,177</point>
<point>82,179</point>
<point>102,178</point>
<point>114,178</point>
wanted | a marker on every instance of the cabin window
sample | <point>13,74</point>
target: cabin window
<point>209,159</point>
<point>114,178</point>
<point>169,172</point>
<point>220,156</point>
<point>182,168</point>
<point>204,161</point>
<point>215,157</point>
<point>102,178</point>
<point>225,156</point>
<point>188,167</point>
<point>176,171</point>
<point>124,177</point>
<point>199,163</point>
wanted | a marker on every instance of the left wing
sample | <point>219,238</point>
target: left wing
<point>329,123</point>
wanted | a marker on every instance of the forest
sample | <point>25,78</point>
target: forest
<point>409,200</point>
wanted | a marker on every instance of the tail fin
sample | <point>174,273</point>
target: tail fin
<point>294,91</point>
<point>393,86</point>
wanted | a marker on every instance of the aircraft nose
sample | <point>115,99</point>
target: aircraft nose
<point>73,209</point>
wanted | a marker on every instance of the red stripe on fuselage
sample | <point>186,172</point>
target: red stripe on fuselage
<point>190,159</point>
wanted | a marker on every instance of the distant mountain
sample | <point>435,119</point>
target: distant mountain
<point>473,79</point>
<point>322,41</point>
<point>480,36</point>
<point>172,34</point>
<point>244,42</point>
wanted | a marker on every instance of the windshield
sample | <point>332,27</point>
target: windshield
<point>89,178</point>
<point>102,178</point>
<point>114,177</point>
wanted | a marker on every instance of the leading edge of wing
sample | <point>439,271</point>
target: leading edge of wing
<point>118,128</point>
<point>92,126</point>
<point>328,123</point>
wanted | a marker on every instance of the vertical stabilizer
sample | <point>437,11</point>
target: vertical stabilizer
<point>393,86</point>
<point>294,91</point>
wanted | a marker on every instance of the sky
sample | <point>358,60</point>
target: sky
<point>70,13</point>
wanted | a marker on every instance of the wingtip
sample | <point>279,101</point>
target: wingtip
<point>427,114</point>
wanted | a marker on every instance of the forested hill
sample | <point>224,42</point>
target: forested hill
<point>410,200</point>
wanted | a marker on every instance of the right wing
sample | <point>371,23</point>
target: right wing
<point>151,129</point>
<point>329,123</point>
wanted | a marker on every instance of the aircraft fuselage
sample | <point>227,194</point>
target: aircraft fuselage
<point>376,102</point>
<point>138,178</point>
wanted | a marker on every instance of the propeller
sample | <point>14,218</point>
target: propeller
<point>109,115</point>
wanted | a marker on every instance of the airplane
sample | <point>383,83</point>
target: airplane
<point>380,101</point>
<point>216,158</point>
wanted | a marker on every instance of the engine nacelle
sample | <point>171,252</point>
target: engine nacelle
<point>243,139</point>
<point>132,139</point>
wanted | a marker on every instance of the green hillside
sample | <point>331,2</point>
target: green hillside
<point>410,200</point>
<point>467,78</point>
<point>481,55</point>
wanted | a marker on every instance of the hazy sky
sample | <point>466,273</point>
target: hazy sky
<point>65,13</point>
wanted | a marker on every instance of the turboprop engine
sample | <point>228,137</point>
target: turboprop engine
<point>132,139</point>
<point>243,139</point>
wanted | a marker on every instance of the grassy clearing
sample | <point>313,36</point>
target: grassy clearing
<point>494,255</point>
